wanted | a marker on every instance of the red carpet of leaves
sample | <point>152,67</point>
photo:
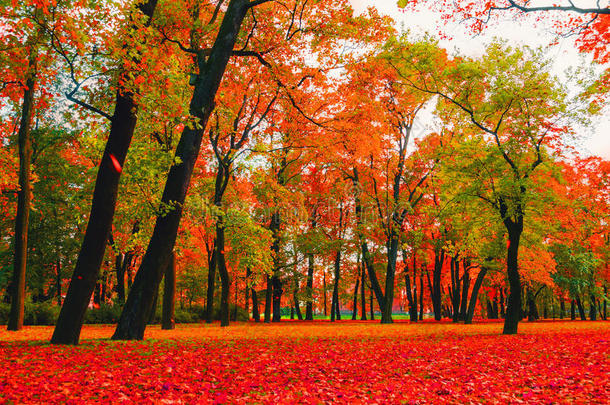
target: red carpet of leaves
<point>349,362</point>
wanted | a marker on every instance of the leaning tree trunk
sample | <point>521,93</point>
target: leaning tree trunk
<point>24,199</point>
<point>169,294</point>
<point>139,302</point>
<point>581,309</point>
<point>474,295</point>
<point>103,205</point>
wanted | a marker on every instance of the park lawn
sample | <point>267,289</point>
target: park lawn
<point>548,362</point>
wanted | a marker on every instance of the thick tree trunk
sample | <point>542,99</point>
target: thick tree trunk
<point>103,205</point>
<point>371,304</point>
<point>455,288</point>
<point>513,308</point>
<point>169,294</point>
<point>211,70</point>
<point>474,295</point>
<point>24,200</point>
<point>309,305</point>
<point>435,286</point>
<point>572,310</point>
<point>562,308</point>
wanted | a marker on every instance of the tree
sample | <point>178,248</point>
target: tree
<point>123,122</point>
<point>520,118</point>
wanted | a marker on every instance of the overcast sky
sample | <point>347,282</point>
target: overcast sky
<point>595,141</point>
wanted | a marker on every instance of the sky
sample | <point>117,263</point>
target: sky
<point>594,140</point>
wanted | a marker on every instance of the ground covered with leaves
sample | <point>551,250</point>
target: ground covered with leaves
<point>548,362</point>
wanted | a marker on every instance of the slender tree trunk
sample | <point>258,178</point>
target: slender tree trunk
<point>410,300</point>
<point>562,308</point>
<point>268,295</point>
<point>247,292</point>
<point>473,296</point>
<point>255,310</point>
<point>355,299</point>
<point>465,289</point>
<point>324,291</point>
<point>334,307</point>
<point>24,199</point>
<point>225,282</point>
<point>309,305</point>
<point>371,304</point>
<point>362,295</point>
<point>169,294</point>
<point>275,226</point>
<point>297,306</point>
<point>211,71</point>
<point>209,308</point>
<point>421,295</point>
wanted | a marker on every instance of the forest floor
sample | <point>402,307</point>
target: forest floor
<point>362,362</point>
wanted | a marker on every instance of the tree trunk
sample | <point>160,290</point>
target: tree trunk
<point>562,308</point>
<point>435,286</point>
<point>592,308</point>
<point>324,291</point>
<point>24,199</point>
<point>362,295</point>
<point>465,288</point>
<point>309,305</point>
<point>138,306</point>
<point>473,296</point>
<point>297,306</point>
<point>225,283</point>
<point>513,309</point>
<point>371,304</point>
<point>275,226</point>
<point>255,310</point>
<point>355,300</point>
<point>572,310</point>
<point>581,309</point>
<point>209,307</point>
<point>455,288</point>
<point>334,306</point>
<point>103,205</point>
<point>268,299</point>
<point>421,295</point>
<point>169,294</point>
